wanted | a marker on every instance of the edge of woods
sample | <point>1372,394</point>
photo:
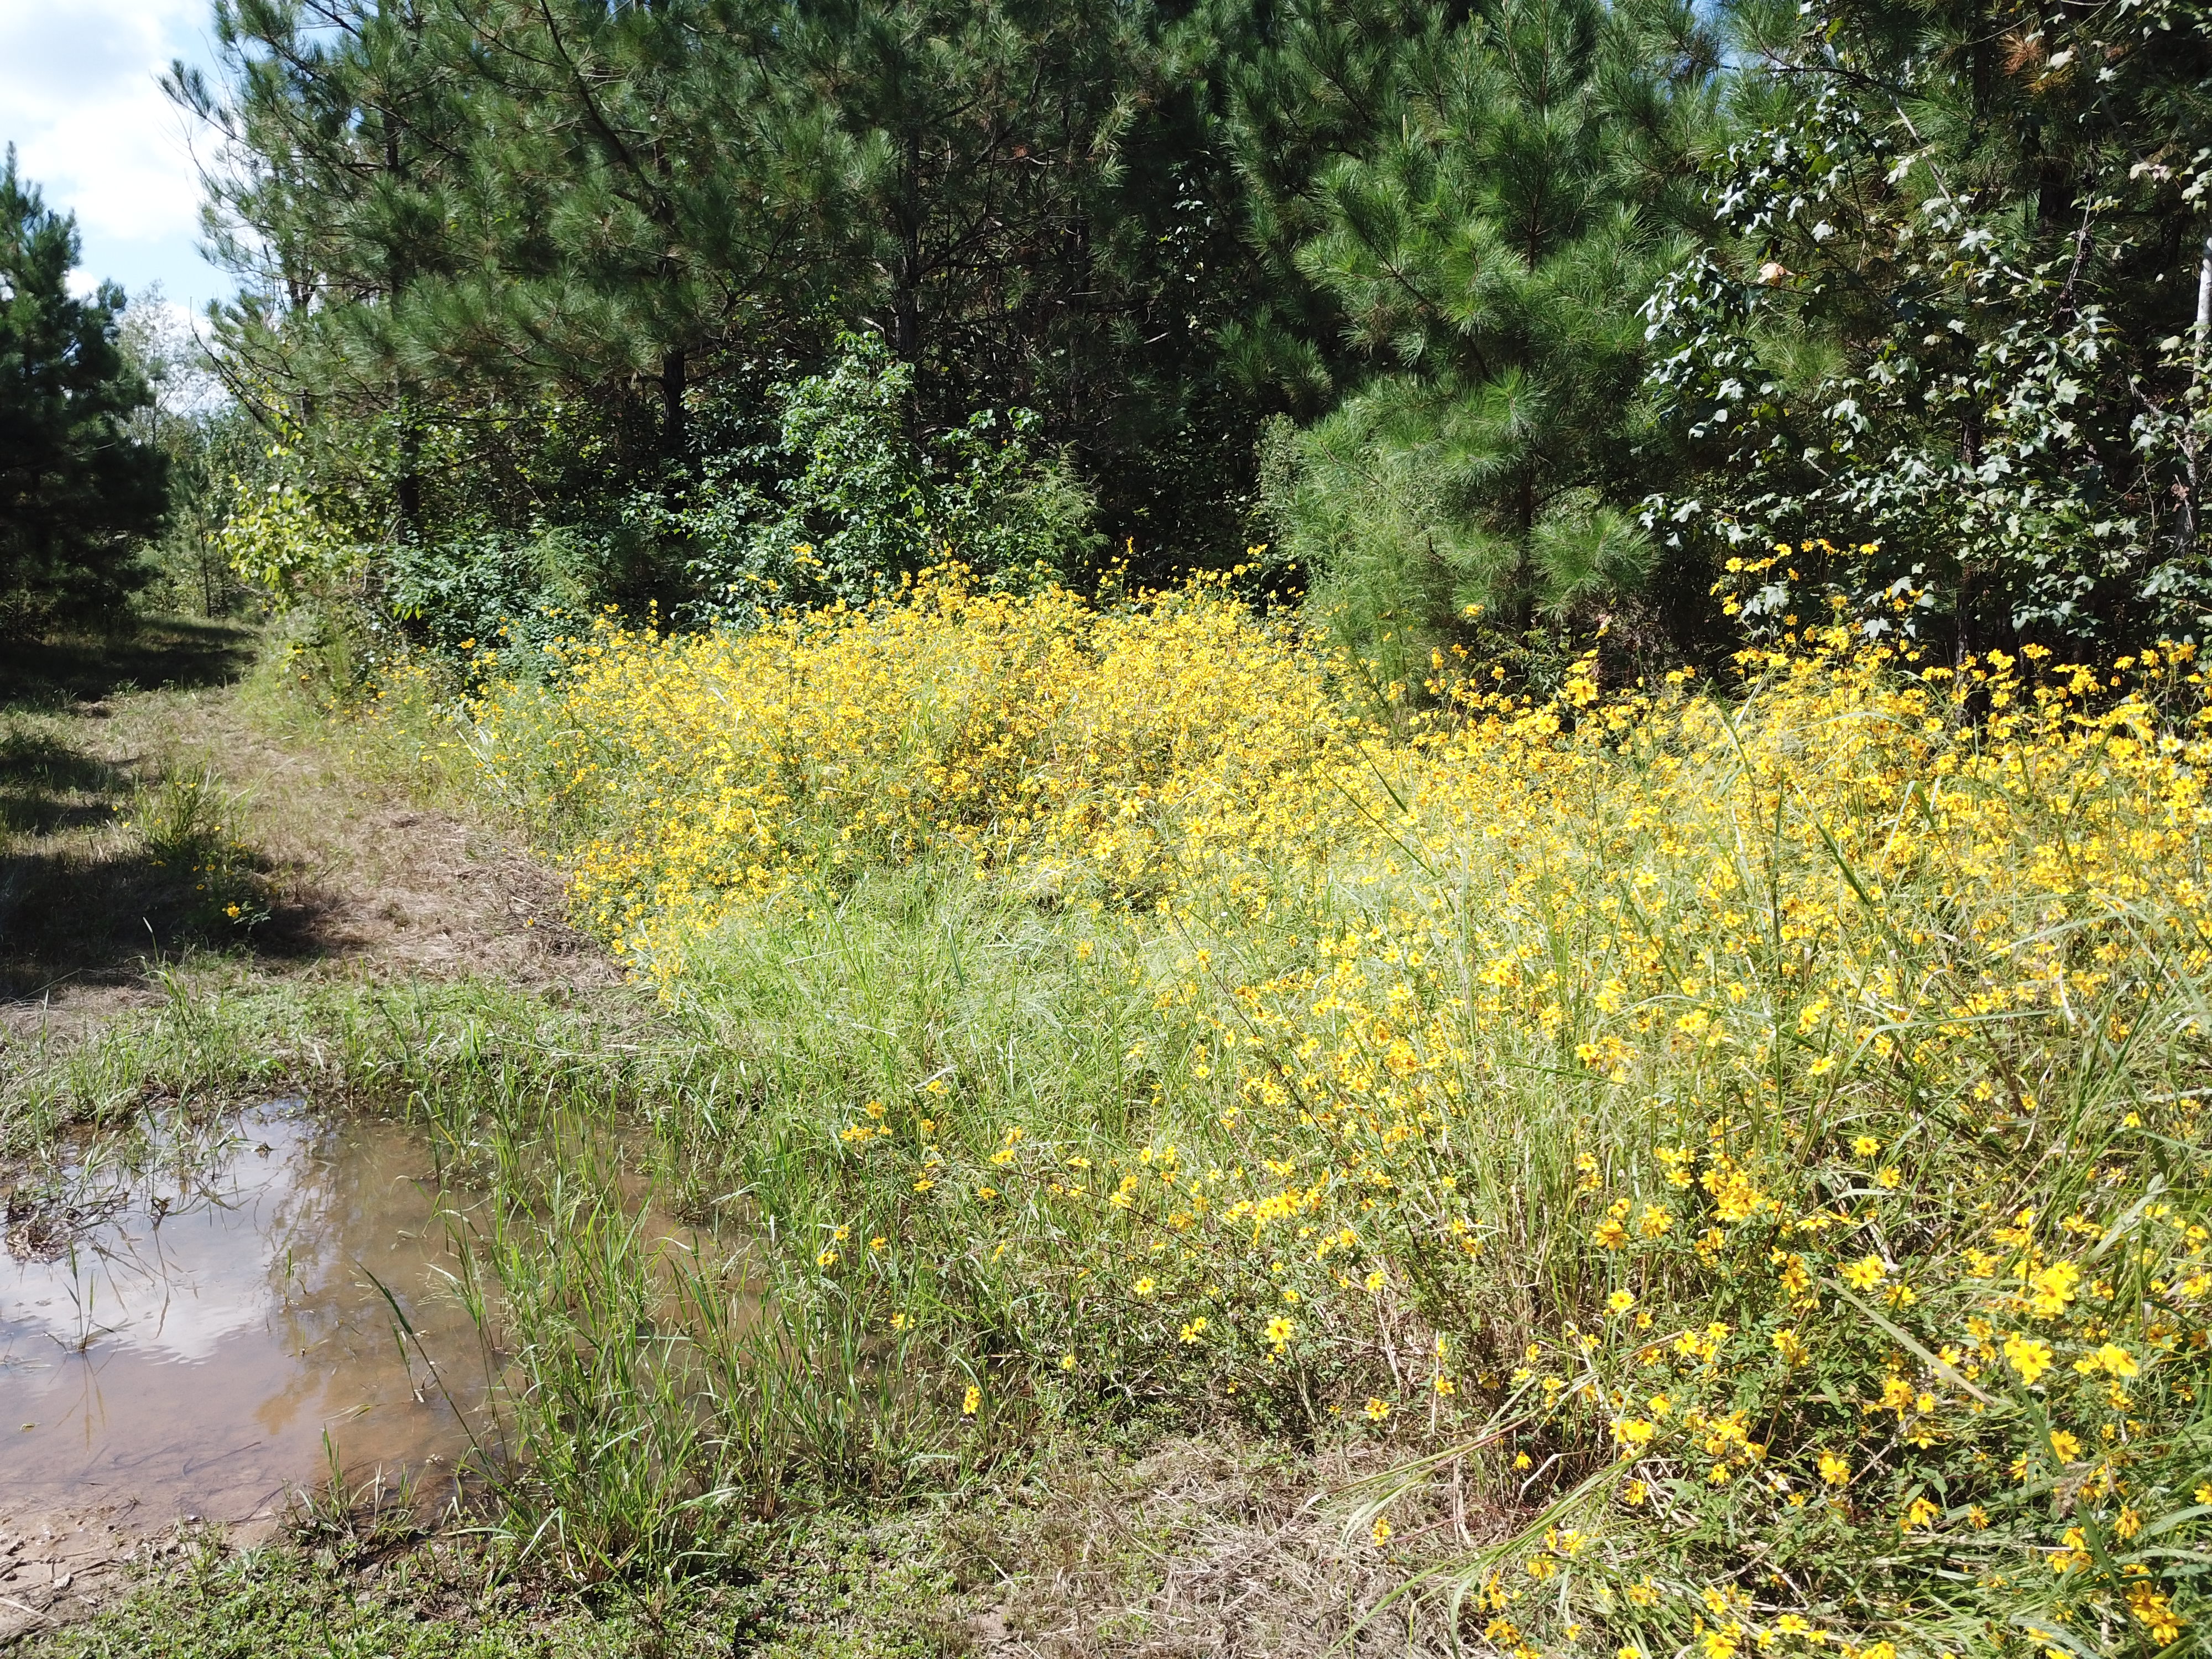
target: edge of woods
<point>845,1515</point>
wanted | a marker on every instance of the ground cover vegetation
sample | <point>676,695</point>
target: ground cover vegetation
<point>397,953</point>
<point>104,851</point>
<point>1748,1142</point>
<point>1700,1172</point>
<point>1456,752</point>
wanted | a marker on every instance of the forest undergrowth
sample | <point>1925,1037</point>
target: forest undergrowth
<point>1727,1163</point>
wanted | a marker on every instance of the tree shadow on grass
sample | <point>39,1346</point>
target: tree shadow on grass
<point>48,788</point>
<point>53,674</point>
<point>87,898</point>
<point>102,916</point>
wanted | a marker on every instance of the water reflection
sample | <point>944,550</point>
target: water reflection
<point>187,1342</point>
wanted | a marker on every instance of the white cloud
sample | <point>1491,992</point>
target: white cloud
<point>80,98</point>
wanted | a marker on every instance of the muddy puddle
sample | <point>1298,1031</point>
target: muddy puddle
<point>180,1344</point>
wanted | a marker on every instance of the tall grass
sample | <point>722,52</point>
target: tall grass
<point>1755,1139</point>
<point>1744,1152</point>
<point>649,1387</point>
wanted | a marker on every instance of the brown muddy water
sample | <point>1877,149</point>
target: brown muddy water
<point>180,1341</point>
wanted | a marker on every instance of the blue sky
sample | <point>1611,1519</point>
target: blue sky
<point>79,100</point>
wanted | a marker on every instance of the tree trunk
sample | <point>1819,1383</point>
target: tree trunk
<point>906,283</point>
<point>1522,610</point>
<point>2203,307</point>
<point>675,440</point>
<point>410,489</point>
<point>2195,450</point>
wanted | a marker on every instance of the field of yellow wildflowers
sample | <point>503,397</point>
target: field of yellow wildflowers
<point>1743,1150</point>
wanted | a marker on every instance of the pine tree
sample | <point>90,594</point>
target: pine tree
<point>79,494</point>
<point>1038,218</point>
<point>1303,87</point>
<point>1486,244</point>
<point>643,206</point>
<point>474,216</point>
<point>341,137</point>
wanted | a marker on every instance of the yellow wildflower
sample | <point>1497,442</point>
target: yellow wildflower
<point>2028,1356</point>
<point>1866,1273</point>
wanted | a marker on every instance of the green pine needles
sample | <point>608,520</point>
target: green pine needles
<point>1526,174</point>
<point>78,493</point>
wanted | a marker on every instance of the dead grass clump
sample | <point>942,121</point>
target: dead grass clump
<point>1205,1545</point>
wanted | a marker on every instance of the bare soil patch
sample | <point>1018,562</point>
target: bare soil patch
<point>60,1566</point>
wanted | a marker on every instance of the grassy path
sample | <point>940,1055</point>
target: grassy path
<point>111,755</point>
<point>146,784</point>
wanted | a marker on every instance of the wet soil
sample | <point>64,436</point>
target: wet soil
<point>194,1346</point>
<point>58,1565</point>
<point>263,1318</point>
<point>177,1343</point>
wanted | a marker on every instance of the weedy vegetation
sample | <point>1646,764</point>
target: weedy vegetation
<point>1610,1078</point>
<point>1742,1148</point>
<point>1700,1168</point>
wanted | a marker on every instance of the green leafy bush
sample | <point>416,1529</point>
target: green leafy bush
<point>848,500</point>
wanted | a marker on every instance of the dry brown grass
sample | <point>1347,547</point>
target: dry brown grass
<point>1203,1545</point>
<point>1207,1547</point>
